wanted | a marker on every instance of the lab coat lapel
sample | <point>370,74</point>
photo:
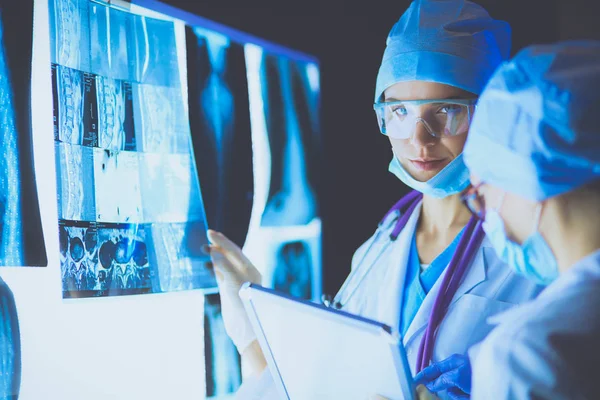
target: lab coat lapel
<point>398,261</point>
<point>475,275</point>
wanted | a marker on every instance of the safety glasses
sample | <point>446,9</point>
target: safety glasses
<point>441,118</point>
<point>474,201</point>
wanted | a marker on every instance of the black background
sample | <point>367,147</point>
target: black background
<point>348,37</point>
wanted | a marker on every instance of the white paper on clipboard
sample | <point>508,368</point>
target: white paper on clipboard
<point>314,352</point>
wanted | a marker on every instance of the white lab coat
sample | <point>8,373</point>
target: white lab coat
<point>489,287</point>
<point>548,348</point>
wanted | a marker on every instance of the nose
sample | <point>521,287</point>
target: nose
<point>422,136</point>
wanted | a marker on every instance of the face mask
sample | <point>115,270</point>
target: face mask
<point>533,259</point>
<point>454,178</point>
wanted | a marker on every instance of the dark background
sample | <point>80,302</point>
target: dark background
<point>348,37</point>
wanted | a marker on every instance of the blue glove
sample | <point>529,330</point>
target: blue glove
<point>453,374</point>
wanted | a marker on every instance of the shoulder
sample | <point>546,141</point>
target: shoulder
<point>544,349</point>
<point>384,230</point>
<point>503,281</point>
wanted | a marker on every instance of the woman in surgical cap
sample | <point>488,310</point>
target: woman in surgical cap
<point>534,154</point>
<point>427,272</point>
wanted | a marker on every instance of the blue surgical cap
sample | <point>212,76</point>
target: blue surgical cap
<point>454,42</point>
<point>536,130</point>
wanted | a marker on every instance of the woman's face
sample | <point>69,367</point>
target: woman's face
<point>424,155</point>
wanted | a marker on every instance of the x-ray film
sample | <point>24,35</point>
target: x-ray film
<point>104,259</point>
<point>285,231</point>
<point>10,345</point>
<point>221,130</point>
<point>160,119</point>
<point>75,182</point>
<point>255,128</point>
<point>223,364</point>
<point>290,101</point>
<point>76,116</point>
<point>115,111</point>
<point>21,236</point>
<point>131,213</point>
<point>109,36</point>
<point>70,33</point>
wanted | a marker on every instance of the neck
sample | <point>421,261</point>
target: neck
<point>573,234</point>
<point>443,215</point>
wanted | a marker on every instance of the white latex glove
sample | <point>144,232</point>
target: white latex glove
<point>232,270</point>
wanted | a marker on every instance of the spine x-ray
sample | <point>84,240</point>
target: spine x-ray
<point>131,215</point>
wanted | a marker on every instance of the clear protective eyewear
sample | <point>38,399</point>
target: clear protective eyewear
<point>441,118</point>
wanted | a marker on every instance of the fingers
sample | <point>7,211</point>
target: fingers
<point>220,240</point>
<point>452,362</point>
<point>435,370</point>
<point>428,374</point>
<point>231,251</point>
<point>445,381</point>
<point>378,397</point>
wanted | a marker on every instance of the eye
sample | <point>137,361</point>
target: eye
<point>399,110</point>
<point>450,109</point>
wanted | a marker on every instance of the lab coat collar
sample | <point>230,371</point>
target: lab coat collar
<point>475,275</point>
<point>584,271</point>
<point>399,257</point>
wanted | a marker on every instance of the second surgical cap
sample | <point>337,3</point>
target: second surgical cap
<point>536,130</point>
<point>454,42</point>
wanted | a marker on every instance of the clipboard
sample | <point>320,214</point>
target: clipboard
<point>314,352</point>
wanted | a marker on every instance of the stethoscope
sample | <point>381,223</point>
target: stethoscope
<point>465,251</point>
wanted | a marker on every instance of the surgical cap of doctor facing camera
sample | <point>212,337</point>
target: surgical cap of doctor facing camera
<point>536,129</point>
<point>454,42</point>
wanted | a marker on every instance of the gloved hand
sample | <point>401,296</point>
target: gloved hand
<point>232,269</point>
<point>452,374</point>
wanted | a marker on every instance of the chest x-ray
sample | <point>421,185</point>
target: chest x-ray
<point>21,236</point>
<point>131,213</point>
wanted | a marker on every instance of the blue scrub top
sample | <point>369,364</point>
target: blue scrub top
<point>418,283</point>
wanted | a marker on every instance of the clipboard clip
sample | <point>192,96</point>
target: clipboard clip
<point>329,302</point>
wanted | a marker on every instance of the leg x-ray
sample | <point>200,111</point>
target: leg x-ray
<point>10,345</point>
<point>285,231</point>
<point>292,127</point>
<point>293,272</point>
<point>221,131</point>
<point>21,236</point>
<point>131,212</point>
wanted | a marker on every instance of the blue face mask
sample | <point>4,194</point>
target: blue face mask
<point>533,259</point>
<point>453,179</point>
